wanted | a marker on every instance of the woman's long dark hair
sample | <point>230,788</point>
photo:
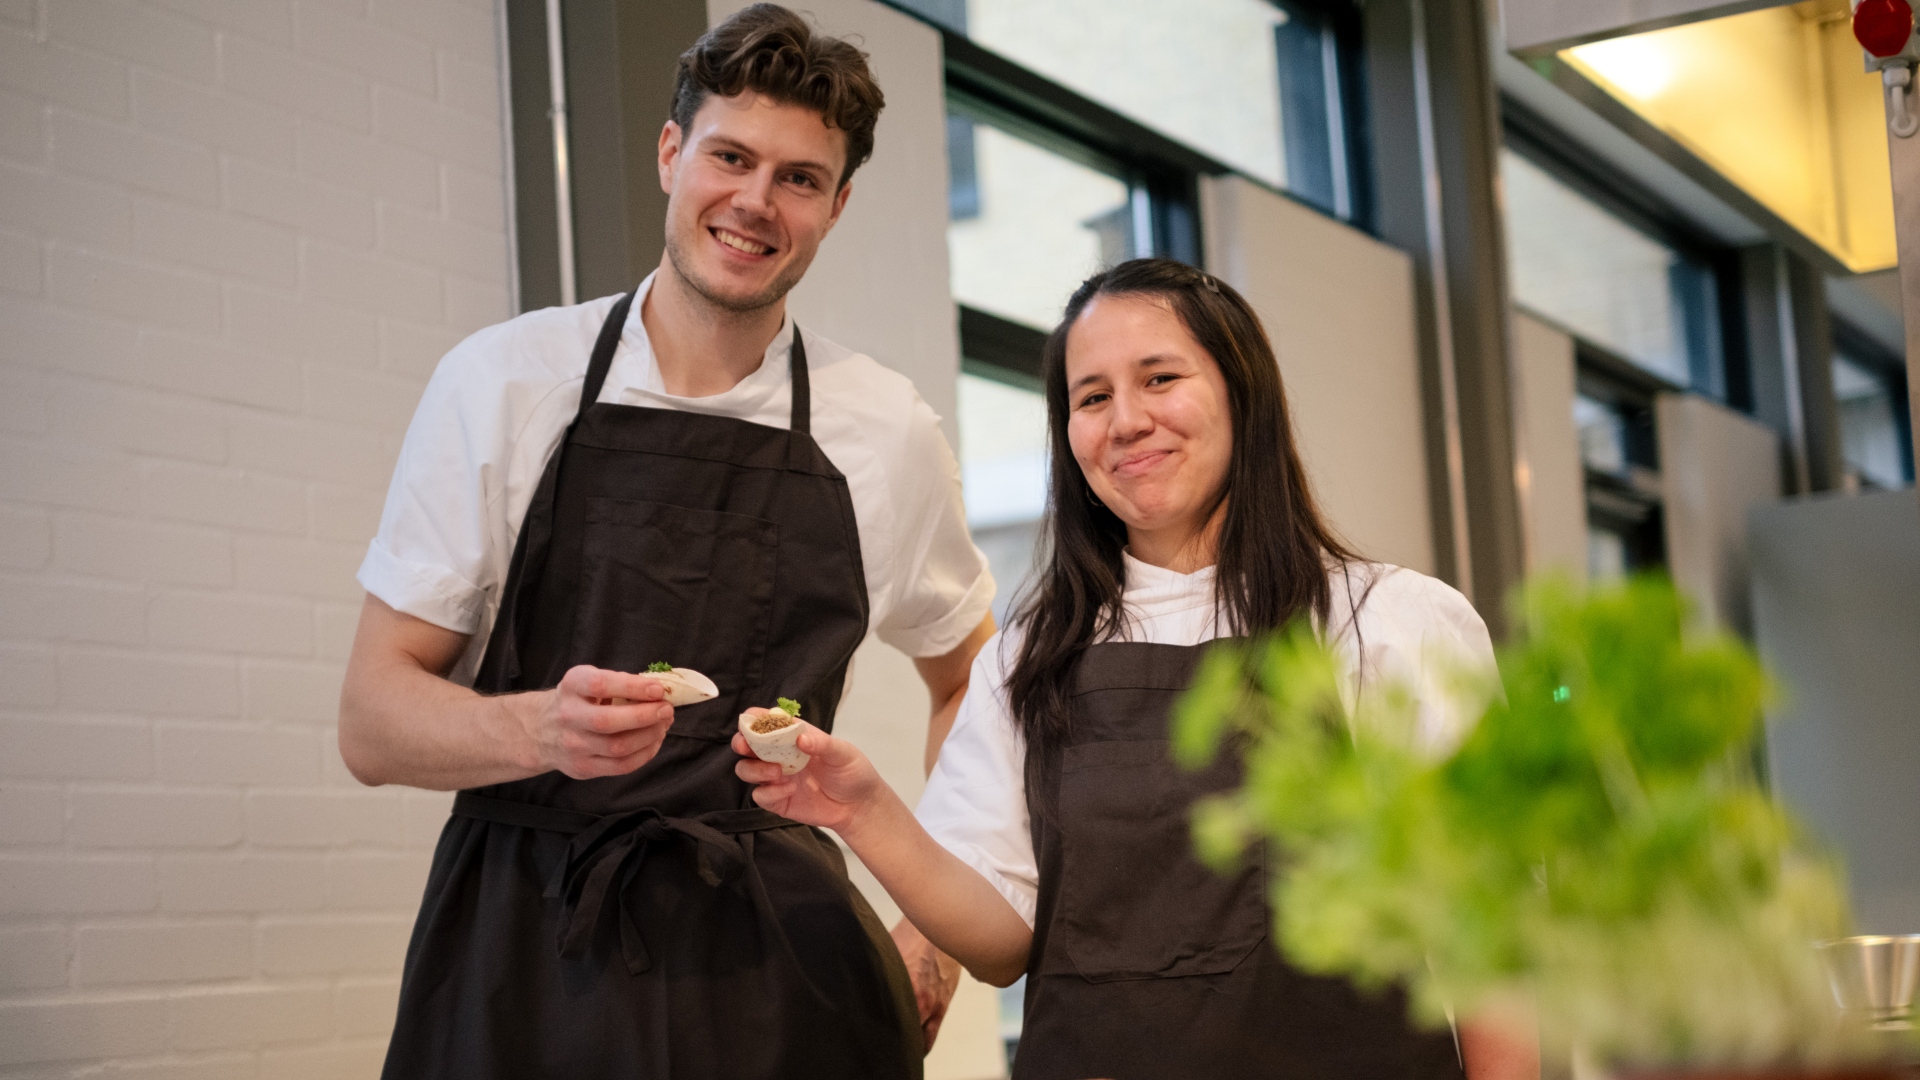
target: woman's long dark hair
<point>1274,548</point>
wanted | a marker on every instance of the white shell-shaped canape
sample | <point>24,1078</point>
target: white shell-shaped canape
<point>685,686</point>
<point>777,745</point>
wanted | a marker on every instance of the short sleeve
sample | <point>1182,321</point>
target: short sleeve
<point>1397,626</point>
<point>975,804</point>
<point>943,588</point>
<point>439,551</point>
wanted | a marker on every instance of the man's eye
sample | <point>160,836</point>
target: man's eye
<point>729,157</point>
<point>801,179</point>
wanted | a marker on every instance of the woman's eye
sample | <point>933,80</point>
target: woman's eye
<point>1161,380</point>
<point>1092,399</point>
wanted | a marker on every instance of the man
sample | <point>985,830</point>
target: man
<point>677,475</point>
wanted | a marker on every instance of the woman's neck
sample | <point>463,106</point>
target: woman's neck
<point>1182,549</point>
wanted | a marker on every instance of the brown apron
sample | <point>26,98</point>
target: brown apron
<point>1145,963</point>
<point>660,924</point>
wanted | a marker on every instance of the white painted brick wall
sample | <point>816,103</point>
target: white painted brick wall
<point>235,236</point>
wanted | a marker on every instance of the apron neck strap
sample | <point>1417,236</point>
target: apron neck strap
<point>603,348</point>
<point>800,423</point>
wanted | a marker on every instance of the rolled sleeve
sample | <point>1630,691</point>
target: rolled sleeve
<point>424,591</point>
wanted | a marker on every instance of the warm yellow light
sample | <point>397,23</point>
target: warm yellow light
<point>1641,65</point>
<point>1778,102</point>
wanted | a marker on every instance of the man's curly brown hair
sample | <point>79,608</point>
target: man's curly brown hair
<point>769,50</point>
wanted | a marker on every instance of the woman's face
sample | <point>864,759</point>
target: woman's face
<point>1147,418</point>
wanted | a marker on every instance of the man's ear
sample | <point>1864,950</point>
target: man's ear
<point>670,145</point>
<point>840,203</point>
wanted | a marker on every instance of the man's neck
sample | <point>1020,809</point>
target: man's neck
<point>702,349</point>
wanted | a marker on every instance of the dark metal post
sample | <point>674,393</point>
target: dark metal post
<point>1436,140</point>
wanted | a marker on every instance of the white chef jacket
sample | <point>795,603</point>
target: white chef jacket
<point>1415,631</point>
<point>500,402</point>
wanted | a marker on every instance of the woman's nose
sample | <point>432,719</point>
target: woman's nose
<point>1130,417</point>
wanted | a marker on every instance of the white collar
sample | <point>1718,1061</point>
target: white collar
<point>634,377</point>
<point>1155,590</point>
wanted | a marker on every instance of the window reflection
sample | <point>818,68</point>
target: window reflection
<point>1575,264</point>
<point>1254,84</point>
<point>1870,435</point>
<point>1029,225</point>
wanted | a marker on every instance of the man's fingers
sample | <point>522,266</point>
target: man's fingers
<point>584,715</point>
<point>596,684</point>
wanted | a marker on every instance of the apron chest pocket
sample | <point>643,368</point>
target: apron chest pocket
<point>1135,903</point>
<point>690,587</point>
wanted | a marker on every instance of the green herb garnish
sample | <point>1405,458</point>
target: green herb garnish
<point>789,706</point>
<point>659,667</point>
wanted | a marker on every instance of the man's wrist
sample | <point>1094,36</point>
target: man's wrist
<point>512,718</point>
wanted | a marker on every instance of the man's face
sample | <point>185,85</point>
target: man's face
<point>752,188</point>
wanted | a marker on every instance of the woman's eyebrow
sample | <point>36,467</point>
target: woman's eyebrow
<point>1147,361</point>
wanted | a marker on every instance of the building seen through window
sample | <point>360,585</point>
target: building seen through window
<point>1028,224</point>
<point>1257,85</point>
<point>1873,436</point>
<point>1578,265</point>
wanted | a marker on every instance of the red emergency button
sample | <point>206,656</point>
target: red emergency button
<point>1883,26</point>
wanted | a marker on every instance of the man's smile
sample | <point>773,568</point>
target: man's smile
<point>740,243</point>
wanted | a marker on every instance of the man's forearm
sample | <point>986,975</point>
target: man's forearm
<point>405,725</point>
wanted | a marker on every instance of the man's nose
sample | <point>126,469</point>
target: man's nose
<point>755,195</point>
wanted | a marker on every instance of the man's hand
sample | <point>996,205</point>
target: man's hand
<point>596,722</point>
<point>935,975</point>
<point>833,792</point>
<point>402,722</point>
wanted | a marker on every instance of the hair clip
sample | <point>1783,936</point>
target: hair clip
<point>1212,285</point>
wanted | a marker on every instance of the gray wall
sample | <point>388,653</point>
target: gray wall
<point>1836,607</point>
<point>1715,466</point>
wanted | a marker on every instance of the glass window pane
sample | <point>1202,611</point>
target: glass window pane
<point>1003,475</point>
<point>1603,435</point>
<point>1003,452</point>
<point>1870,435</point>
<point>1244,81</point>
<point>1202,71</point>
<point>1030,226</point>
<point>1576,264</point>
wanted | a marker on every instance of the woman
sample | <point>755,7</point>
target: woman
<point>1052,840</point>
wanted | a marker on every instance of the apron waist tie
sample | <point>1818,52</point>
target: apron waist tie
<point>607,851</point>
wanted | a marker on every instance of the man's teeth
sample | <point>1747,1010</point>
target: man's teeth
<point>742,243</point>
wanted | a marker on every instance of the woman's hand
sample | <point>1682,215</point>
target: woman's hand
<point>833,791</point>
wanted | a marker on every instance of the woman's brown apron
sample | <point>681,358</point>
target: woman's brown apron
<point>660,924</point>
<point>1145,963</point>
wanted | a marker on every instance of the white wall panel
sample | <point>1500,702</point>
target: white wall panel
<point>1339,307</point>
<point>1555,501</point>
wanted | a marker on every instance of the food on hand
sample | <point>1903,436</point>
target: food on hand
<point>773,733</point>
<point>684,686</point>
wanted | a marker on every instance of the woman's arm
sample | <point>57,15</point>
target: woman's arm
<point>955,907</point>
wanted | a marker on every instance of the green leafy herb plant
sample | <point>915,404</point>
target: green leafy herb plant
<point>1597,849</point>
<point>659,667</point>
<point>789,706</point>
